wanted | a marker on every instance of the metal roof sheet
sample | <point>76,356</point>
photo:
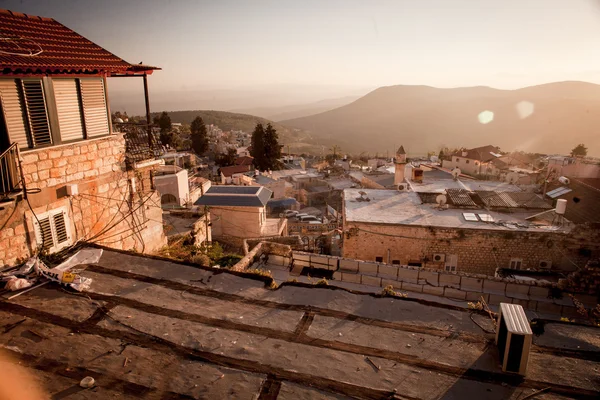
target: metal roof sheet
<point>491,198</point>
<point>528,200</point>
<point>37,45</point>
<point>515,319</point>
<point>235,196</point>
<point>460,197</point>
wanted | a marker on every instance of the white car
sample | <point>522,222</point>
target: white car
<point>290,213</point>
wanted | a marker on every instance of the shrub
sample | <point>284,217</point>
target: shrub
<point>229,260</point>
<point>200,259</point>
<point>388,291</point>
<point>322,282</point>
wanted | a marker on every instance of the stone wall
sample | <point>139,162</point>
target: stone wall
<point>113,207</point>
<point>532,295</point>
<point>478,251</point>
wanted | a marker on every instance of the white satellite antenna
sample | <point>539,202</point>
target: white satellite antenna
<point>512,178</point>
<point>441,200</point>
<point>456,173</point>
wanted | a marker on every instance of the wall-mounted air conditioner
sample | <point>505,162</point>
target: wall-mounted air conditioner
<point>403,187</point>
<point>439,257</point>
<point>545,264</point>
<point>513,338</point>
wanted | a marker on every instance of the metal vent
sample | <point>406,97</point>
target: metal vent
<point>60,228</point>
<point>45,233</point>
<point>52,230</point>
<point>35,103</point>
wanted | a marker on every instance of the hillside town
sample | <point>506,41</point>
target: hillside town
<point>180,259</point>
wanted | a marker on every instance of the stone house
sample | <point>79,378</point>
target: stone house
<point>240,212</point>
<point>66,175</point>
<point>404,229</point>
<point>476,161</point>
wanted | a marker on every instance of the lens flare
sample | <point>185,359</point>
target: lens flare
<point>525,109</point>
<point>485,117</point>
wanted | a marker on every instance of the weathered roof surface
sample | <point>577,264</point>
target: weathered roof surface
<point>235,196</point>
<point>154,329</point>
<point>234,169</point>
<point>496,199</point>
<point>245,160</point>
<point>405,208</point>
<point>528,200</point>
<point>460,197</point>
<point>583,200</point>
<point>37,45</point>
<point>483,153</point>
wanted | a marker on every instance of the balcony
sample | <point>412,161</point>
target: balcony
<point>141,145</point>
<point>11,177</point>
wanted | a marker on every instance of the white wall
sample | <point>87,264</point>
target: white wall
<point>174,184</point>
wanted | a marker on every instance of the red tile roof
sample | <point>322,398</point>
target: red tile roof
<point>234,169</point>
<point>38,45</point>
<point>245,160</point>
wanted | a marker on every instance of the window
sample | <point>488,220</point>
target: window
<point>379,259</point>
<point>515,263</point>
<point>68,108</point>
<point>395,262</point>
<point>415,264</point>
<point>37,116</point>
<point>486,217</point>
<point>471,217</point>
<point>451,263</point>
<point>93,100</point>
<point>52,230</point>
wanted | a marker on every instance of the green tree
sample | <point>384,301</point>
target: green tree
<point>579,150</point>
<point>223,160</point>
<point>198,136</point>
<point>258,147</point>
<point>163,121</point>
<point>272,147</point>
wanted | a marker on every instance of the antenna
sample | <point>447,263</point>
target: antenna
<point>512,178</point>
<point>456,173</point>
<point>441,200</point>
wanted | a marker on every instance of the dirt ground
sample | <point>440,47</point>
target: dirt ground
<point>152,329</point>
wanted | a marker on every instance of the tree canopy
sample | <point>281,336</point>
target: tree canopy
<point>579,150</point>
<point>223,160</point>
<point>265,147</point>
<point>199,136</point>
<point>163,121</point>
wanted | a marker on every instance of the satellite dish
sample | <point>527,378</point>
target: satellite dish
<point>456,173</point>
<point>441,199</point>
<point>512,178</point>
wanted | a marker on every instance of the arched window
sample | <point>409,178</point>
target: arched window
<point>168,199</point>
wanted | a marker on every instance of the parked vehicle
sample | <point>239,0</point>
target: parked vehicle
<point>290,213</point>
<point>308,218</point>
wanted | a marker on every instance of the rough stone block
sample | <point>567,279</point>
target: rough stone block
<point>353,278</point>
<point>368,268</point>
<point>348,265</point>
<point>476,296</point>
<point>55,154</point>
<point>408,275</point>
<point>494,287</point>
<point>514,288</point>
<point>450,280</point>
<point>42,165</point>
<point>496,299</point>
<point>454,293</point>
<point>29,168</point>
<point>275,259</point>
<point>337,276</point>
<point>549,308</point>
<point>429,278</point>
<point>538,292</point>
<point>29,158</point>
<point>388,271</point>
<point>471,284</point>
<point>412,287</point>
<point>370,280</point>
<point>60,162</point>
<point>333,263</point>
<point>301,263</point>
<point>318,261</point>
<point>434,290</point>
<point>301,256</point>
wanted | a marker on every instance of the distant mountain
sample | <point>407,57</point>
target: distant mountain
<point>225,120</point>
<point>298,110</point>
<point>550,118</point>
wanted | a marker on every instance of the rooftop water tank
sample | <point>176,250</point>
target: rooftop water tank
<point>561,206</point>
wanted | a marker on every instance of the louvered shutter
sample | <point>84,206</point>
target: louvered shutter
<point>13,112</point>
<point>35,103</point>
<point>68,108</point>
<point>52,230</point>
<point>94,107</point>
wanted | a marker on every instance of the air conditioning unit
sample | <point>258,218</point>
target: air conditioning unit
<point>545,264</point>
<point>513,338</point>
<point>403,187</point>
<point>439,257</point>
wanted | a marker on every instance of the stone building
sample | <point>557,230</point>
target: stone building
<point>476,161</point>
<point>409,229</point>
<point>65,175</point>
<point>240,212</point>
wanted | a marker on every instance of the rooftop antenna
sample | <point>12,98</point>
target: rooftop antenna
<point>441,200</point>
<point>456,173</point>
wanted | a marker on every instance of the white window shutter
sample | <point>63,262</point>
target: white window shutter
<point>68,108</point>
<point>52,230</point>
<point>35,103</point>
<point>94,107</point>
<point>13,112</point>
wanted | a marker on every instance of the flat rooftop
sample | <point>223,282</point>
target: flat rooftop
<point>404,208</point>
<point>435,180</point>
<point>150,328</point>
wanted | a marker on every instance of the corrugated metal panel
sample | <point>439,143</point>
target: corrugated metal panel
<point>68,109</point>
<point>515,319</point>
<point>496,199</point>
<point>528,200</point>
<point>94,107</point>
<point>13,112</point>
<point>35,102</point>
<point>460,197</point>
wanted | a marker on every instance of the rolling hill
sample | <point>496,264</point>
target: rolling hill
<point>549,118</point>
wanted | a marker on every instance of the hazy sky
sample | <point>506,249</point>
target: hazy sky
<point>505,44</point>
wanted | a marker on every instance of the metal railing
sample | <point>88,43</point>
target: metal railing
<point>140,143</point>
<point>11,175</point>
